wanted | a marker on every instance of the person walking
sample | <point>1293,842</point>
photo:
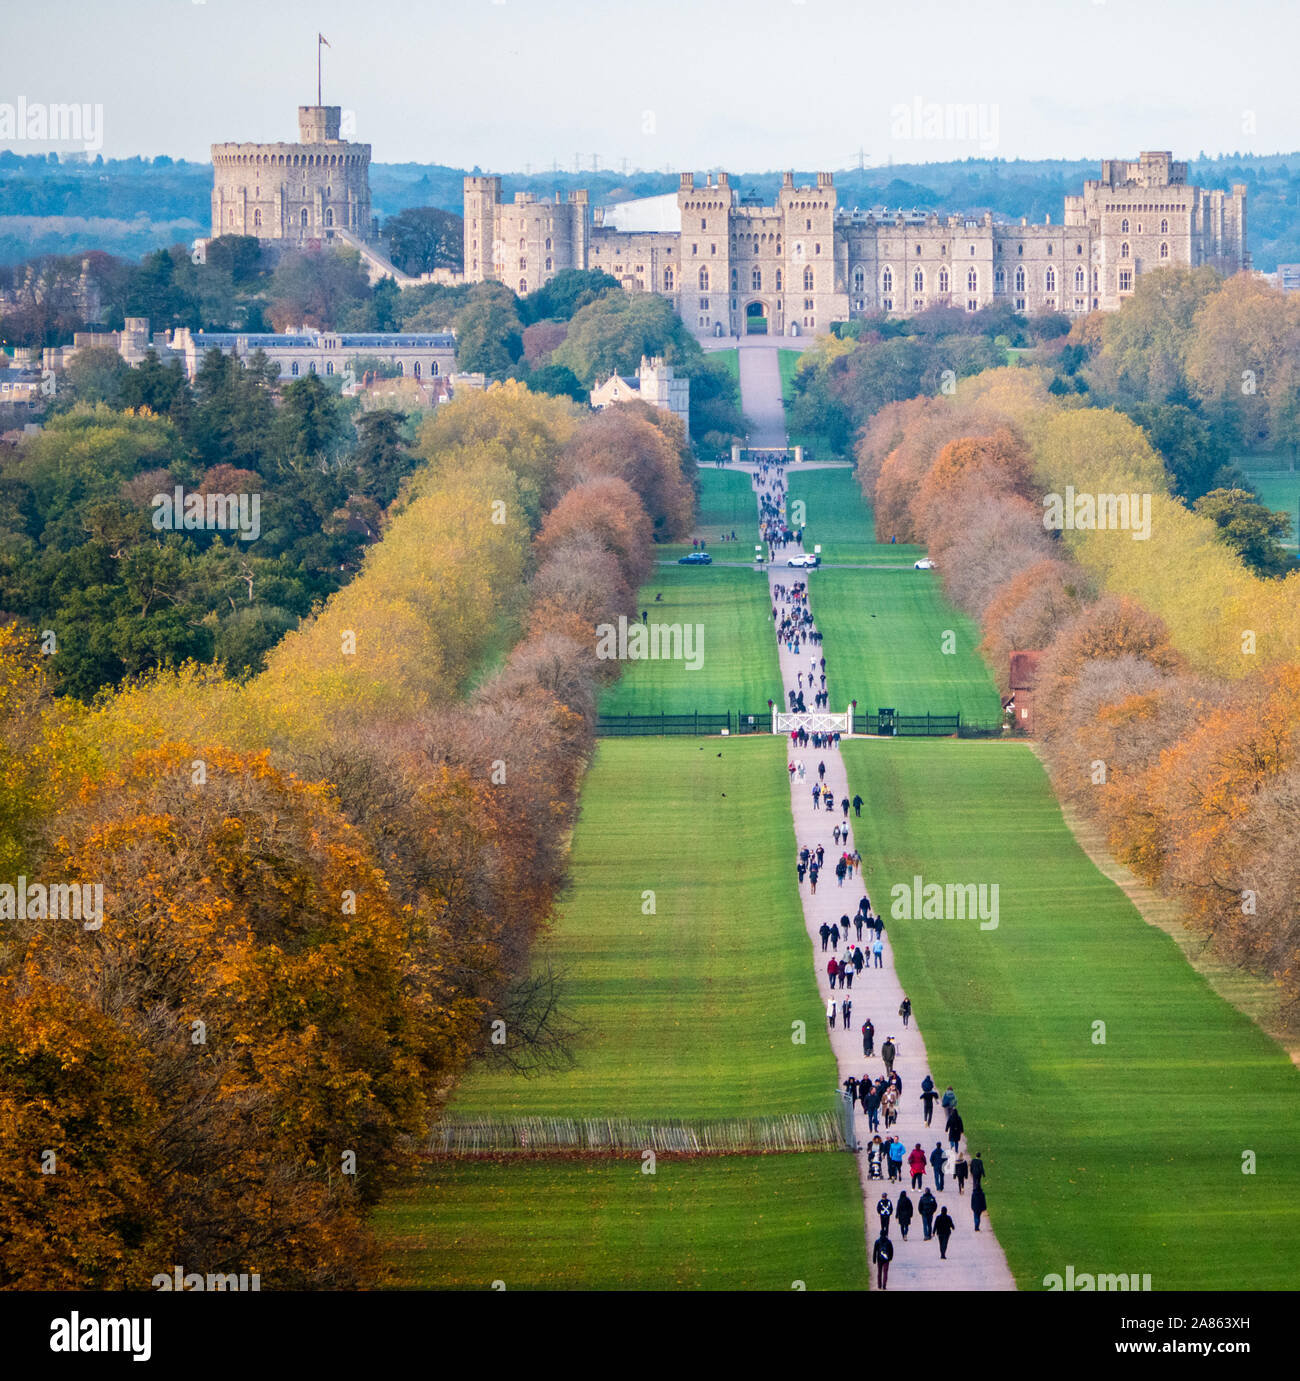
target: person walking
<point>887,1053</point>
<point>960,1170</point>
<point>834,932</point>
<point>927,1206</point>
<point>830,1013</point>
<point>825,933</point>
<point>938,1163</point>
<point>857,804</point>
<point>821,771</point>
<point>882,1254</point>
<point>978,1204</point>
<point>816,794</point>
<point>844,805</point>
<point>896,1157</point>
<point>976,1170</point>
<point>928,1097</point>
<point>857,925</point>
<point>955,1128</point>
<point>877,949</point>
<point>949,1100</point>
<point>905,1009</point>
<point>903,1213</point>
<point>871,1106</point>
<point>859,959</point>
<point>868,1037</point>
<point>944,1228</point>
<point>916,1164</point>
<point>885,1211</point>
<point>832,968</point>
<point>843,970</point>
<point>846,1011</point>
<point>812,878</point>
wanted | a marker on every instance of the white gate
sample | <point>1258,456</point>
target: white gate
<point>815,721</point>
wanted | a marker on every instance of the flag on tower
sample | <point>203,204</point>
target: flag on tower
<point>321,38</point>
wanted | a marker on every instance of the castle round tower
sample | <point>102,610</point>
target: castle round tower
<point>294,193</point>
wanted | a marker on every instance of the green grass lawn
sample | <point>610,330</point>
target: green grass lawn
<point>1280,490</point>
<point>839,517</point>
<point>687,1012</point>
<point>884,639</point>
<point>1117,1157</point>
<point>730,1223</point>
<point>738,661</point>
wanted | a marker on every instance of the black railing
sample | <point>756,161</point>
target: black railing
<point>697,723</point>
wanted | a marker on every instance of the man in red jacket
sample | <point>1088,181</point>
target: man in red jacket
<point>916,1163</point>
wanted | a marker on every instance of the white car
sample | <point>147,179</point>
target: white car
<point>924,564</point>
<point>808,559</point>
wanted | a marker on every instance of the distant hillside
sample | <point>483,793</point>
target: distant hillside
<point>130,206</point>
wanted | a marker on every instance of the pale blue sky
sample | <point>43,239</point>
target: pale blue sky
<point>743,84</point>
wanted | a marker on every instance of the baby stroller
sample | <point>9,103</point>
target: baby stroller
<point>875,1157</point>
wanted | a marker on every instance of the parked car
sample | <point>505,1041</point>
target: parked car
<point>924,564</point>
<point>808,559</point>
<point>695,558</point>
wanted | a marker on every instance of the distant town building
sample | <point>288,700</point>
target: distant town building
<point>653,383</point>
<point>419,354</point>
<point>1019,705</point>
<point>1288,277</point>
<point>732,266</point>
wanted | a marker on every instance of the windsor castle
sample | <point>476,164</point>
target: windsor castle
<point>733,266</point>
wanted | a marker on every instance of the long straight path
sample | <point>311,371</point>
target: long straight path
<point>975,1260</point>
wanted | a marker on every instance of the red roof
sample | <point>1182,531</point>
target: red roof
<point>1024,670</point>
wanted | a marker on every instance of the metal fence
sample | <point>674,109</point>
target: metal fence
<point>696,723</point>
<point>468,1136</point>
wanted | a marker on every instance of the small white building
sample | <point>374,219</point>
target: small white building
<point>654,383</point>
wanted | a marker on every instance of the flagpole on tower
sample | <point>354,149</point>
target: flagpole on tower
<point>321,42</point>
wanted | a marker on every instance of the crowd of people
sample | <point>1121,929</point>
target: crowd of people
<point>849,956</point>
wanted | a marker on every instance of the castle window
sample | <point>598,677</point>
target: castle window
<point>257,218</point>
<point>329,215</point>
<point>888,304</point>
<point>943,280</point>
<point>311,367</point>
<point>1123,250</point>
<point>808,225</point>
<point>1000,280</point>
<point>817,249</point>
<point>415,369</point>
<point>1164,229</point>
<point>859,280</point>
<point>1020,304</point>
<point>1049,281</point>
<point>704,302</point>
<point>972,251</point>
<point>1164,250</point>
<point>1080,280</point>
<point>293,369</point>
<point>523,263</point>
<point>1078,249</point>
<point>918,281</point>
<point>778,280</point>
<point>1049,249</point>
<point>1020,279</point>
<point>695,249</point>
<point>735,280</point>
<point>1020,249</point>
<point>808,279</point>
<point>523,287</point>
<point>302,217</point>
<point>523,244</point>
<point>548,243</point>
<point>1123,227</point>
<point>887,280</point>
<point>433,368</point>
<point>548,265</point>
<point>972,280</point>
<point>755,244</point>
<point>757,280</point>
<point>668,280</point>
<point>704,280</point>
<point>704,224</point>
<point>972,305</point>
<point>918,251</point>
<point>329,366</point>
<point>1125,280</point>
